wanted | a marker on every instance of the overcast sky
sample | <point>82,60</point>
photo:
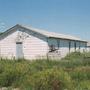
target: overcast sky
<point>63,16</point>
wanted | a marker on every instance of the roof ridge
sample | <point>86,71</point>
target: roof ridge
<point>45,33</point>
<point>51,34</point>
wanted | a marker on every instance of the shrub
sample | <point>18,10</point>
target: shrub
<point>83,85</point>
<point>7,78</point>
<point>50,79</point>
<point>70,73</point>
<point>74,55</point>
<point>12,72</point>
<point>81,73</point>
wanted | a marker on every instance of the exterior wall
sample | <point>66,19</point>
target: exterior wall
<point>33,47</point>
<point>82,46</point>
<point>61,46</point>
<point>8,46</point>
<point>88,48</point>
<point>53,41</point>
<point>64,47</point>
<point>72,48</point>
<point>77,46</point>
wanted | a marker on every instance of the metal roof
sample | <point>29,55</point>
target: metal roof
<point>52,34</point>
<point>43,32</point>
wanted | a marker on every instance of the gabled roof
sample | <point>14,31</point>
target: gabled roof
<point>45,33</point>
<point>52,34</point>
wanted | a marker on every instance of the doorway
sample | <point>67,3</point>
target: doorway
<point>19,50</point>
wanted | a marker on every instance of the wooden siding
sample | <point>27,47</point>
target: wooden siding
<point>36,45</point>
<point>8,46</point>
<point>32,46</point>
<point>66,46</point>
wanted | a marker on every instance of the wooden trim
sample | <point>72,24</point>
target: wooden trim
<point>75,45</point>
<point>18,42</point>
<point>69,46</point>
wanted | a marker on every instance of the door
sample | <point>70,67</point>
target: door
<point>19,50</point>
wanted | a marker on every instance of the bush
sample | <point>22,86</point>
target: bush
<point>74,55</point>
<point>50,79</point>
<point>81,73</point>
<point>12,72</point>
<point>70,73</point>
<point>7,78</point>
<point>83,85</point>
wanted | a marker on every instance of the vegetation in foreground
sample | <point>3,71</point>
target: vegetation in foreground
<point>70,73</point>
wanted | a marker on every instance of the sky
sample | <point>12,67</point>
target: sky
<point>70,17</point>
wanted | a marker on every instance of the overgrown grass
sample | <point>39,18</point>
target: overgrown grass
<point>70,73</point>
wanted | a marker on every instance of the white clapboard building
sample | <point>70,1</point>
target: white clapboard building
<point>30,43</point>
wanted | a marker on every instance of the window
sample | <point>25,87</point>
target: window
<point>52,48</point>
